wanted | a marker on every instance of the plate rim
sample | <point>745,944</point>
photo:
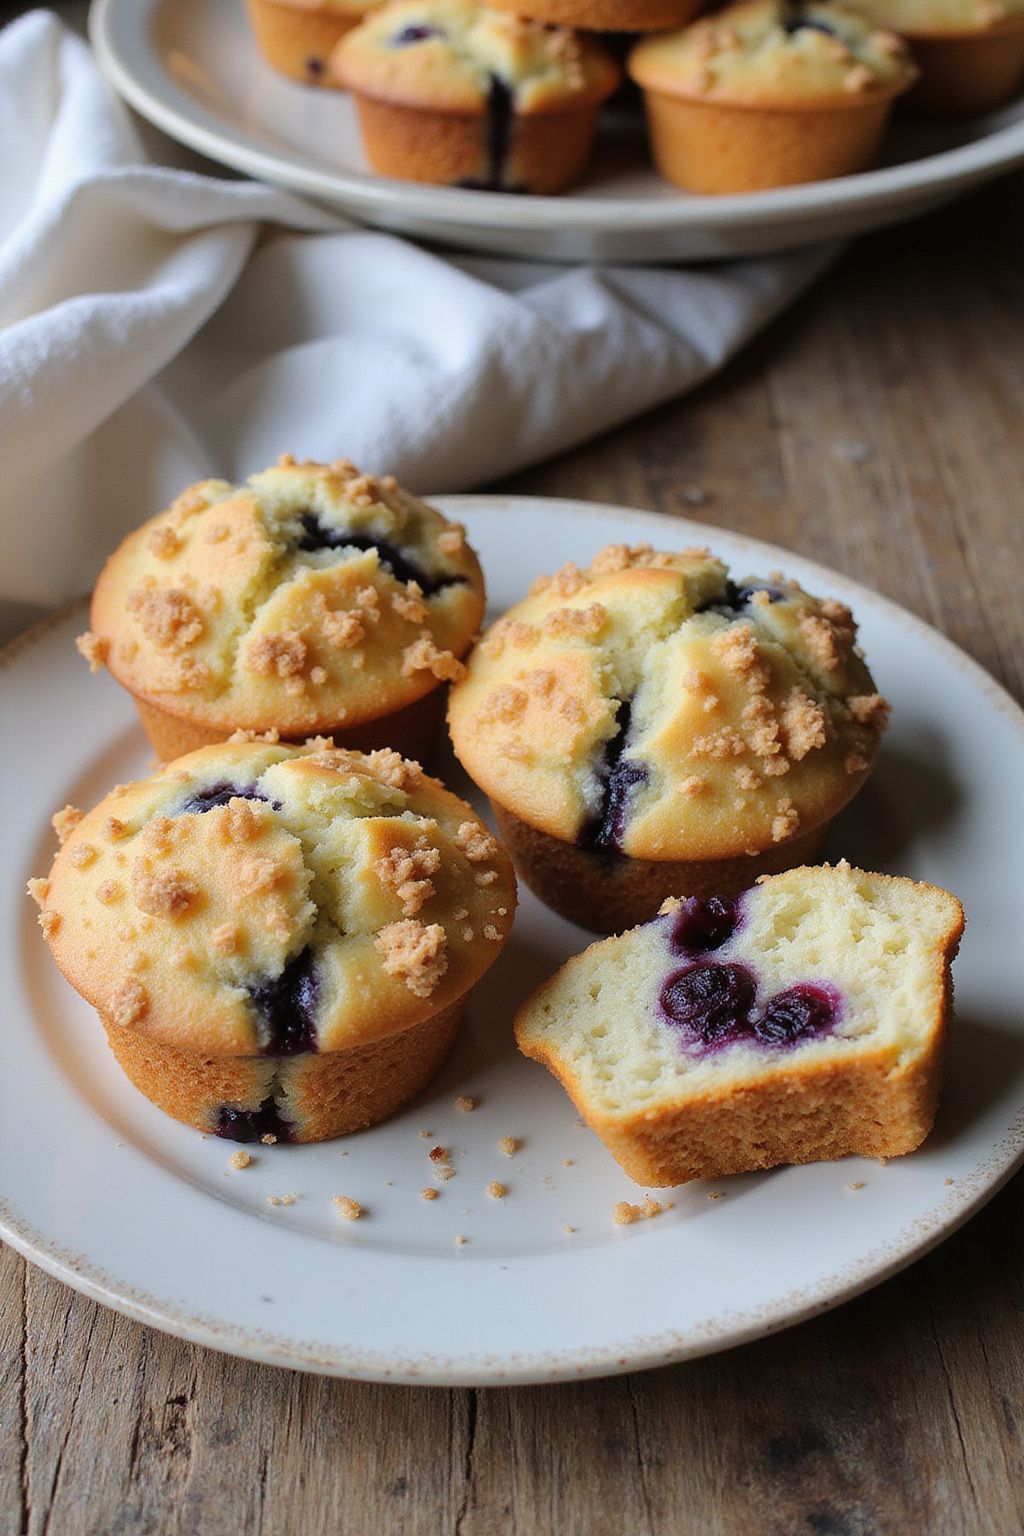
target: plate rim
<point>633,1353</point>
<point>868,190</point>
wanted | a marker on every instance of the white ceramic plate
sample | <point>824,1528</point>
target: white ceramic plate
<point>191,67</point>
<point>145,1215</point>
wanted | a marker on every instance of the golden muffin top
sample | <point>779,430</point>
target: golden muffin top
<point>448,54</point>
<point>923,18</point>
<point>258,898</point>
<point>652,706</point>
<point>774,51</point>
<point>310,597</point>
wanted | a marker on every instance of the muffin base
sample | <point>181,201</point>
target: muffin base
<point>605,15</point>
<point>546,153</point>
<point>609,893</point>
<point>963,73</point>
<point>412,731</point>
<point>296,41</point>
<point>838,1109</point>
<point>306,1097</point>
<point>716,146</point>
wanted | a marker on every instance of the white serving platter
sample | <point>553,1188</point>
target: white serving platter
<point>192,68</point>
<point>147,1216</point>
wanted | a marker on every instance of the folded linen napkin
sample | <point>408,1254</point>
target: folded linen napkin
<point>159,326</point>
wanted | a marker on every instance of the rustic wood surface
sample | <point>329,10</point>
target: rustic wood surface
<point>878,428</point>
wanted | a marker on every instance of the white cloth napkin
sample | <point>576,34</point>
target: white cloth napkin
<point>159,326</point>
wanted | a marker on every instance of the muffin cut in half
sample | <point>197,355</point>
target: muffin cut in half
<point>279,940</point>
<point>803,1020</point>
<point>769,93</point>
<point>313,599</point>
<point>297,37</point>
<point>459,94</point>
<point>649,727</point>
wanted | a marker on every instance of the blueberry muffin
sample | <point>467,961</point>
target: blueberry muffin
<point>456,93</point>
<point>297,37</point>
<point>605,15</point>
<point>280,941</point>
<point>970,52</point>
<point>650,727</point>
<point>803,1020</point>
<point>311,599</point>
<point>769,93</point>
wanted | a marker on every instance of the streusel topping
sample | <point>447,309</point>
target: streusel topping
<point>259,897</point>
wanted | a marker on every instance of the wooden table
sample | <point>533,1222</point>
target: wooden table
<point>880,429</point>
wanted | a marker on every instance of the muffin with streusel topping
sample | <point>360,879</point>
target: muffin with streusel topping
<point>970,52</point>
<point>649,727</point>
<point>768,93</point>
<point>311,600</point>
<point>297,37</point>
<point>457,93</point>
<point>280,940</point>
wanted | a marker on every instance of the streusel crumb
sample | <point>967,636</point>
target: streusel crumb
<point>624,1214</point>
<point>475,842</point>
<point>423,656</point>
<point>166,894</point>
<point>277,655</point>
<point>167,616</point>
<point>406,872</point>
<point>163,542</point>
<point>415,952</point>
<point>64,822</point>
<point>93,648</point>
<point>128,1003</point>
<point>350,1209</point>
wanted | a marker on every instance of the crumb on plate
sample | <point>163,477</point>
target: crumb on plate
<point>624,1214</point>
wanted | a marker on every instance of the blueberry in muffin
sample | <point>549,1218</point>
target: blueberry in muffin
<point>804,1019</point>
<point>457,93</point>
<point>279,940</point>
<point>312,599</point>
<point>650,726</point>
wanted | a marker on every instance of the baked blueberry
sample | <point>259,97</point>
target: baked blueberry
<point>729,1065</point>
<point>312,600</point>
<point>292,955</point>
<point>695,731</point>
<point>712,1001</point>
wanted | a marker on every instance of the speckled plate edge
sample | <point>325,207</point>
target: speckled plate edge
<point>633,1352</point>
<point>148,88</point>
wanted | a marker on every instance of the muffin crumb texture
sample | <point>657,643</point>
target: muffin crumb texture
<point>804,1019</point>
<point>624,1214</point>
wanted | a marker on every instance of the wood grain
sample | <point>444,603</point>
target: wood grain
<point>880,429</point>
